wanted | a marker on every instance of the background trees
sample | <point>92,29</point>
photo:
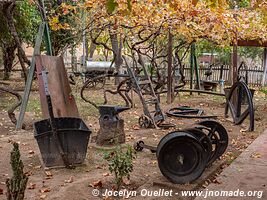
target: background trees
<point>18,25</point>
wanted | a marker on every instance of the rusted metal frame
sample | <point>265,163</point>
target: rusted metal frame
<point>134,80</point>
<point>200,91</point>
<point>153,94</point>
<point>140,94</point>
<point>187,112</point>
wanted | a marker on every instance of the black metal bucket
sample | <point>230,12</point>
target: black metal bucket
<point>73,135</point>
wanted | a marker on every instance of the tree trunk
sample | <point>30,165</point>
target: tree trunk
<point>117,48</point>
<point>170,93</point>
<point>8,58</point>
<point>92,50</point>
<point>8,9</point>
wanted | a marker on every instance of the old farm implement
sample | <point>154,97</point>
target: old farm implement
<point>239,99</point>
<point>153,116</point>
<point>183,155</point>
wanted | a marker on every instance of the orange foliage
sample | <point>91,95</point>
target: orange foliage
<point>189,20</point>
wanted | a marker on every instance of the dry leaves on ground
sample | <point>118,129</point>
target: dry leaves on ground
<point>97,184</point>
<point>255,155</point>
<point>70,180</point>
<point>32,186</point>
<point>44,190</point>
<point>106,174</point>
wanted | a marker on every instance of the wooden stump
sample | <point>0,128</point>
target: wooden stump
<point>111,132</point>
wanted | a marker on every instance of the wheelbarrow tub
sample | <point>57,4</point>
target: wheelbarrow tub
<point>73,135</point>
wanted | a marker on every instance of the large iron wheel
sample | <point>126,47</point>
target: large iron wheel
<point>218,136</point>
<point>181,157</point>
<point>238,92</point>
<point>204,140</point>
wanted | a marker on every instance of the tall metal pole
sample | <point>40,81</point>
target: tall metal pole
<point>169,78</point>
<point>28,85</point>
<point>43,33</point>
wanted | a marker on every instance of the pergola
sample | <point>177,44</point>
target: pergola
<point>254,43</point>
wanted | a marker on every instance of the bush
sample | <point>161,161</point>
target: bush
<point>120,163</point>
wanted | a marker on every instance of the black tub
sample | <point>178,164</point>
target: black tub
<point>73,134</point>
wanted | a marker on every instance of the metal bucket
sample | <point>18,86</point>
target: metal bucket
<point>73,135</point>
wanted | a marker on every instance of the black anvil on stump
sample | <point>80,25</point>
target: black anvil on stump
<point>111,125</point>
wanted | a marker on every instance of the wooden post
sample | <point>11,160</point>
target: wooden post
<point>196,67</point>
<point>264,67</point>
<point>234,63</point>
<point>191,68</point>
<point>170,91</point>
<point>235,73</point>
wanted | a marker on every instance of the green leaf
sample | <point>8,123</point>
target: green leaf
<point>111,6</point>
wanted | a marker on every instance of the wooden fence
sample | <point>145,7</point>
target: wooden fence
<point>255,74</point>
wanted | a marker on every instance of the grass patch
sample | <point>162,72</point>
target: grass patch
<point>264,91</point>
<point>33,105</point>
<point>218,99</point>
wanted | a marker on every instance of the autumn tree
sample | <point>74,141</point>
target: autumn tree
<point>143,26</point>
<point>18,25</point>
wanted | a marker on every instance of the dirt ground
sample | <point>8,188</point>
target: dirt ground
<point>75,184</point>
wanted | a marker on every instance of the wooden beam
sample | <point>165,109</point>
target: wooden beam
<point>253,43</point>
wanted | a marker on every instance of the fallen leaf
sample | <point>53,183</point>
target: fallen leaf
<point>70,180</point>
<point>43,196</point>
<point>31,152</point>
<point>106,174</point>
<point>1,191</point>
<point>255,155</point>
<point>96,184</point>
<point>126,181</point>
<point>48,173</point>
<point>135,127</point>
<point>43,190</point>
<point>32,186</point>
